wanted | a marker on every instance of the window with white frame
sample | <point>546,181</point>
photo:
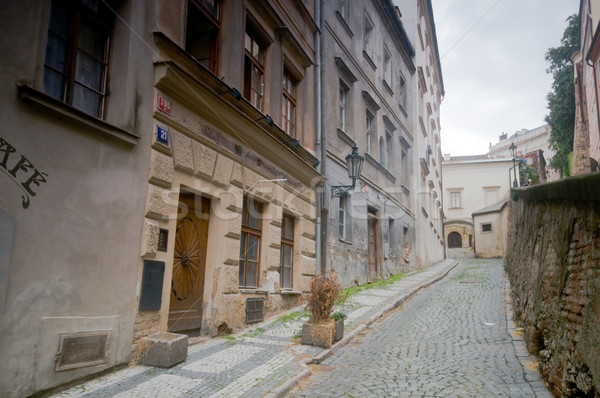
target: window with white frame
<point>343,8</point>
<point>368,43</point>
<point>342,217</point>
<point>370,130</point>
<point>387,67</point>
<point>288,108</point>
<point>455,200</point>
<point>388,150</point>
<point>254,69</point>
<point>287,252</point>
<point>344,93</point>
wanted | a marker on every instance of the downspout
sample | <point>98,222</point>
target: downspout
<point>322,132</point>
<point>318,117</point>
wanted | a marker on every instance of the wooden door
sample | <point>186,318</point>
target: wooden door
<point>189,263</point>
<point>454,240</point>
<point>373,244</point>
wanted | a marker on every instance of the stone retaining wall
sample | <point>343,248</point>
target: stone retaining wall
<point>553,263</point>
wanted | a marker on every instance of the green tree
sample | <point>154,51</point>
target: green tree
<point>561,100</point>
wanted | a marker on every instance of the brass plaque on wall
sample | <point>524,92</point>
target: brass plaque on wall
<point>77,350</point>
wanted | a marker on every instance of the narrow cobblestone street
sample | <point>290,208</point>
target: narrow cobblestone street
<point>450,340</point>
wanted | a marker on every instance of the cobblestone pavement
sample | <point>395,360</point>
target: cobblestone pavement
<point>451,340</point>
<point>256,362</point>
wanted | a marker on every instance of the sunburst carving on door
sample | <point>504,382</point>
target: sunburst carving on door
<point>186,264</point>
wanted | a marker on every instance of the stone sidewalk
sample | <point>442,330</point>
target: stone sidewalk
<point>267,360</point>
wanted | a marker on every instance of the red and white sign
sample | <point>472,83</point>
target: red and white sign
<point>163,104</point>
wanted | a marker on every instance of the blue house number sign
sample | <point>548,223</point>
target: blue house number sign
<point>162,135</point>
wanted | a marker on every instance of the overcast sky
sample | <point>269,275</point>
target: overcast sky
<point>492,56</point>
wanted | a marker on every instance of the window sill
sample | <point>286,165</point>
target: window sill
<point>290,293</point>
<point>344,23</point>
<point>246,290</point>
<point>345,137</point>
<point>405,189</point>
<point>369,60</point>
<point>346,241</point>
<point>75,116</point>
<point>403,110</point>
<point>387,87</point>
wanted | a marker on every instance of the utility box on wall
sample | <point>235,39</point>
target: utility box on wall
<point>152,284</point>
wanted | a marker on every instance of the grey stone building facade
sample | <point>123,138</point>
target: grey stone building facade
<point>367,69</point>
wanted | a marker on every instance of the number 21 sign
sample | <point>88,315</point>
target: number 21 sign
<point>162,135</point>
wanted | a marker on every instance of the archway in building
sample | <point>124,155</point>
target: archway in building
<point>454,240</point>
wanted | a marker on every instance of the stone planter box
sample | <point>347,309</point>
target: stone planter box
<point>339,330</point>
<point>163,349</point>
<point>322,334</point>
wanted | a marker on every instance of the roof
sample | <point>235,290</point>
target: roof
<point>493,208</point>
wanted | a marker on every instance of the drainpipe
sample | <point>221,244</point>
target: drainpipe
<point>323,211</point>
<point>321,221</point>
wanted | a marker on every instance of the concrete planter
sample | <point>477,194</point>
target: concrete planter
<point>322,334</point>
<point>163,349</point>
<point>339,330</point>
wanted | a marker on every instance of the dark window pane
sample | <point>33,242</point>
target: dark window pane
<point>92,41</point>
<point>241,273</point>
<point>59,21</point>
<point>288,231</point>
<point>86,100</point>
<point>287,256</point>
<point>56,52</point>
<point>255,214</point>
<point>252,274</point>
<point>243,246</point>
<point>253,242</point>
<point>53,84</point>
<point>89,72</point>
<point>287,279</point>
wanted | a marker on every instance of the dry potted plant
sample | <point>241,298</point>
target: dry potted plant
<point>320,329</point>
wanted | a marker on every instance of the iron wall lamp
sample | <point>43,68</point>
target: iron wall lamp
<point>354,164</point>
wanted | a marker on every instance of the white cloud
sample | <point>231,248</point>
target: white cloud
<point>494,68</point>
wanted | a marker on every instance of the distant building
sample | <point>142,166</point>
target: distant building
<point>472,183</point>
<point>426,94</point>
<point>586,143</point>
<point>531,144</point>
<point>490,226</point>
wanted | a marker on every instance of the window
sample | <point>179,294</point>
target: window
<point>388,149</point>
<point>387,67</point>
<point>76,63</point>
<point>288,111</point>
<point>370,125</point>
<point>202,32</point>
<point>382,153</point>
<point>254,71</point>
<point>250,244</point>
<point>486,227</point>
<point>405,163</point>
<point>344,90</point>
<point>287,252</point>
<point>342,217</point>
<point>368,37</point>
<point>343,8</point>
<point>402,93</point>
<point>455,200</point>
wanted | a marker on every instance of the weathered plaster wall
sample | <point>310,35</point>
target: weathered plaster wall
<point>553,264</point>
<point>491,244</point>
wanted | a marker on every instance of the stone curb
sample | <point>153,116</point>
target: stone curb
<point>283,389</point>
<point>532,376</point>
